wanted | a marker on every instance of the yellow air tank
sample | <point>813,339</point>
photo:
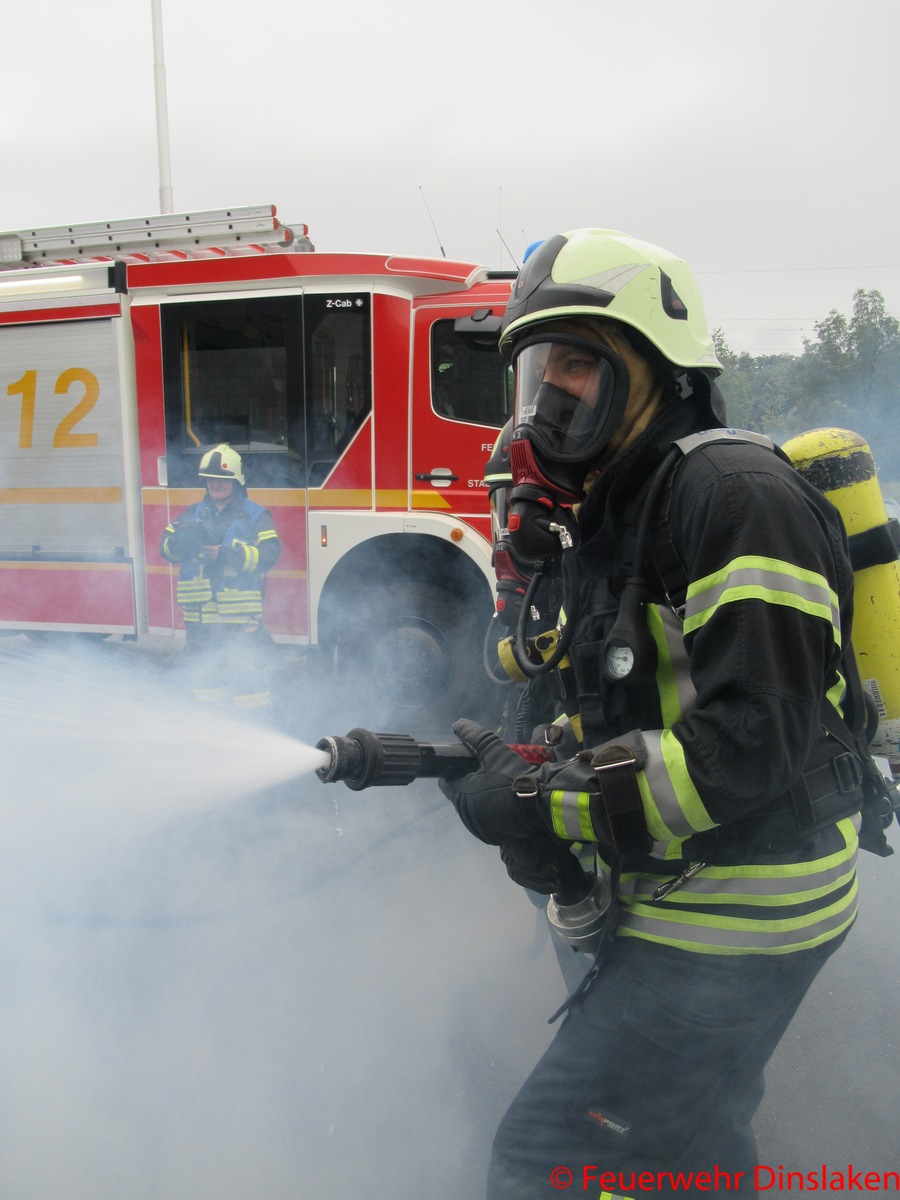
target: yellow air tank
<point>840,464</point>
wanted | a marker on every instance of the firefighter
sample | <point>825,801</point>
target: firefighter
<point>724,814</point>
<point>224,545</point>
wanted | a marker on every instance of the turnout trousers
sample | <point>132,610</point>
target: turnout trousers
<point>227,666</point>
<point>658,1067</point>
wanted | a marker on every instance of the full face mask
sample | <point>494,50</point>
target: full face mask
<point>570,398</point>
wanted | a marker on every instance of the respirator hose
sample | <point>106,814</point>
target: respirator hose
<point>569,606</point>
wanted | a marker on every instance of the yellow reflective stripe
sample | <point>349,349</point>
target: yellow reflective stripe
<point>234,597</point>
<point>835,693</point>
<point>766,888</point>
<point>677,694</point>
<point>771,580</point>
<point>266,536</point>
<point>193,591</point>
<point>251,556</point>
<point>772,937</point>
<point>672,805</point>
<point>725,887</point>
<point>570,815</point>
<point>713,934</point>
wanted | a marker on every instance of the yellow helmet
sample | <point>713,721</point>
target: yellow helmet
<point>607,274</point>
<point>222,463</point>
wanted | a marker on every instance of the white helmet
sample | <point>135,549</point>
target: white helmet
<point>222,463</point>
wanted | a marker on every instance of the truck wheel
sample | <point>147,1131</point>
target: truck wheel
<point>416,656</point>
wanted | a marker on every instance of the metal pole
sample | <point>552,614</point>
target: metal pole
<point>162,112</point>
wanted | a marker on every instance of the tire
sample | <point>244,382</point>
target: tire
<point>417,661</point>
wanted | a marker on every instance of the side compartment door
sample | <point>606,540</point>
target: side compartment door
<point>66,532</point>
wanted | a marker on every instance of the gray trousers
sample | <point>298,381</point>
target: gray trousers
<point>657,1068</point>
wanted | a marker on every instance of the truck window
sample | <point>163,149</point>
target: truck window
<point>285,380</point>
<point>470,380</point>
<point>338,376</point>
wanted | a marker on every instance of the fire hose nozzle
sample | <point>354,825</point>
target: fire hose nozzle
<point>365,759</point>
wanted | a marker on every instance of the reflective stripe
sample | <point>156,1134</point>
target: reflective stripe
<point>736,935</point>
<point>677,694</point>
<point>570,813</point>
<point>751,577</point>
<point>232,601</point>
<point>193,591</point>
<point>769,937</point>
<point>764,885</point>
<point>251,556</point>
<point>705,914</point>
<point>672,805</point>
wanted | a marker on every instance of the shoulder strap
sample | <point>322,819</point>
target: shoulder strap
<point>669,567</point>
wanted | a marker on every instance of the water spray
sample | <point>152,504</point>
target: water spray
<point>579,911</point>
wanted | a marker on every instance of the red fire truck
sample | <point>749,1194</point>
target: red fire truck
<point>363,391</point>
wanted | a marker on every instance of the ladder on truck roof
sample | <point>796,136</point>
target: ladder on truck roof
<point>213,234</point>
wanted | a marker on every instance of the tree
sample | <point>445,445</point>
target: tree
<point>848,375</point>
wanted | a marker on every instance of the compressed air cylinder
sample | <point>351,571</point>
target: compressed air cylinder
<point>840,464</point>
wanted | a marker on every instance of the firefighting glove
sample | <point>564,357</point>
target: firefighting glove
<point>246,557</point>
<point>559,735</point>
<point>485,799</point>
<point>187,540</point>
<point>595,796</point>
<point>540,866</point>
<point>490,810</point>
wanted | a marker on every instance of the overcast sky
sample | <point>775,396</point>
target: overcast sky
<point>757,140</point>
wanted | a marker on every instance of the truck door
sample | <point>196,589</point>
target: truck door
<point>461,397</point>
<point>70,519</point>
<point>286,381</point>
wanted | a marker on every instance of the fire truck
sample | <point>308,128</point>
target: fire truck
<point>363,391</point>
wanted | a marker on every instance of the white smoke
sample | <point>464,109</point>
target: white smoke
<point>221,979</point>
<point>213,991</point>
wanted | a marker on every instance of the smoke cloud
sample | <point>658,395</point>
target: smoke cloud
<point>215,990</point>
<point>222,979</point>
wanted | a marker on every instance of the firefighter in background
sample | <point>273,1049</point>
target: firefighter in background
<point>718,804</point>
<point>224,546</point>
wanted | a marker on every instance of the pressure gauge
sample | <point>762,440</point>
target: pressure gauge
<point>618,659</point>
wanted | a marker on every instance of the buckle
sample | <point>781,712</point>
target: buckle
<point>613,757</point>
<point>847,771</point>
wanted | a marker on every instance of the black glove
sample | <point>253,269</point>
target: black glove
<point>485,799</point>
<point>186,541</point>
<point>536,865</point>
<point>558,734</point>
<point>230,557</point>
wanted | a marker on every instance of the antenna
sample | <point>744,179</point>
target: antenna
<point>433,226</point>
<point>508,251</point>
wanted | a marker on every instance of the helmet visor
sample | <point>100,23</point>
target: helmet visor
<point>570,395</point>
